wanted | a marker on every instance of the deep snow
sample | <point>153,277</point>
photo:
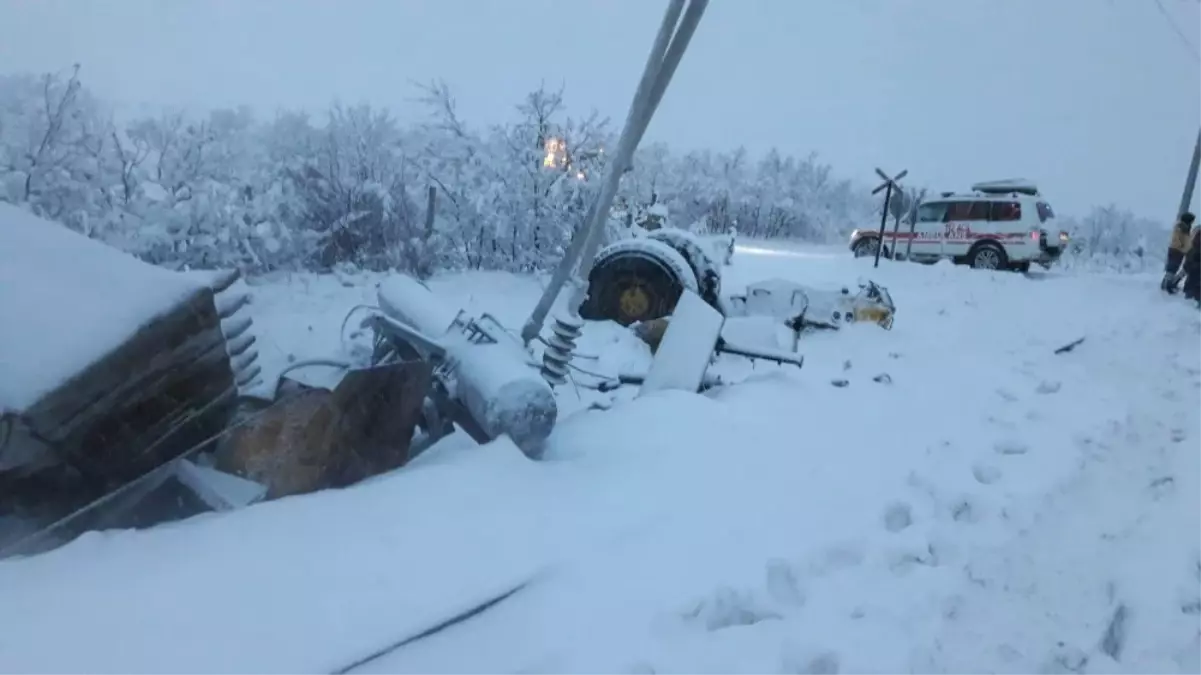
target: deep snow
<point>989,507</point>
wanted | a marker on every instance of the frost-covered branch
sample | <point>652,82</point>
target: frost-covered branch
<point>351,188</point>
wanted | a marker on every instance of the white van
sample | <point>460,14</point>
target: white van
<point>998,225</point>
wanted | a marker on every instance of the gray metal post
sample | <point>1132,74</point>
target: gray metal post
<point>533,325</point>
<point>667,68</point>
<point>665,55</point>
<point>917,203</point>
<point>888,186</point>
<point>1187,198</point>
<point>883,221</point>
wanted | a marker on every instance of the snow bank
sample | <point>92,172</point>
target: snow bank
<point>985,503</point>
<point>369,565</point>
<point>251,591</point>
<point>66,301</point>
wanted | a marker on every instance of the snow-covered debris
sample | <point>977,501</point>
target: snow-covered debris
<point>965,518</point>
<point>495,380</point>
<point>66,301</point>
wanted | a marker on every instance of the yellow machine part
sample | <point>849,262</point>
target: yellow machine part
<point>875,313</point>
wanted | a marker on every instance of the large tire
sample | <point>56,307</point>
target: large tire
<point>703,267</point>
<point>866,246</point>
<point>987,255</point>
<point>636,280</point>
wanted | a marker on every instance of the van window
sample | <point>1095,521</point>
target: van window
<point>1044,212</point>
<point>1006,211</point>
<point>974,210</point>
<point>932,212</point>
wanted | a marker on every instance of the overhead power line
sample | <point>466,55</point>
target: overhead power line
<point>1163,11</point>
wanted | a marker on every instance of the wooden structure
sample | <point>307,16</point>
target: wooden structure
<point>88,405</point>
<point>120,373</point>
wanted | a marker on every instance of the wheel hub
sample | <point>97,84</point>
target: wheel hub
<point>634,301</point>
<point>987,259</point>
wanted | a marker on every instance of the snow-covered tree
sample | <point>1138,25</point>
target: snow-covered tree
<point>50,159</point>
<point>226,189</point>
<point>1114,238</point>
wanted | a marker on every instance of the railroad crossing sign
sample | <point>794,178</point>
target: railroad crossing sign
<point>888,186</point>
<point>902,202</point>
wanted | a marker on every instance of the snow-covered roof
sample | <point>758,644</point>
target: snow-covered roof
<point>66,301</point>
<point>1007,186</point>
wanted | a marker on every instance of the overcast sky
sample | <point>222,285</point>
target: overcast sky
<point>1097,100</point>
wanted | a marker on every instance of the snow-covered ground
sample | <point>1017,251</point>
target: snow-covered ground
<point>990,506</point>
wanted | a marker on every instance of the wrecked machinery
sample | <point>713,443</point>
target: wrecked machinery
<point>159,425</point>
<point>637,280</point>
<point>155,424</point>
<point>179,436</point>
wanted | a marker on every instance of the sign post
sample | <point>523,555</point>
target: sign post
<point>888,186</point>
<point>917,201</point>
<point>901,202</point>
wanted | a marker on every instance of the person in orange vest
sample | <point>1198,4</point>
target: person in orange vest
<point>1177,249</point>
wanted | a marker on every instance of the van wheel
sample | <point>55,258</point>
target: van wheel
<point>988,256</point>
<point>867,247</point>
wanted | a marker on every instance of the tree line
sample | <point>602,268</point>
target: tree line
<point>310,192</point>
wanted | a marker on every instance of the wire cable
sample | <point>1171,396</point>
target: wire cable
<point>1176,28</point>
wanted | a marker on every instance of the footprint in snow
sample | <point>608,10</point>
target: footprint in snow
<point>1001,423</point>
<point>1066,658</point>
<point>836,558</point>
<point>1048,387</point>
<point>902,561</point>
<point>965,511</point>
<point>898,516</point>
<point>1011,446</point>
<point>986,474</point>
<point>823,663</point>
<point>782,584</point>
<point>1006,395</point>
<point>727,607</point>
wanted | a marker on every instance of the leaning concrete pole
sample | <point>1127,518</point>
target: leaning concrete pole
<point>670,43</point>
<point>667,68</point>
<point>1186,199</point>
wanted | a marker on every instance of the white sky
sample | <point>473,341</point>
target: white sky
<point>1097,100</point>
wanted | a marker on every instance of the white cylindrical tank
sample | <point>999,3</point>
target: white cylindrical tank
<point>504,394</point>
